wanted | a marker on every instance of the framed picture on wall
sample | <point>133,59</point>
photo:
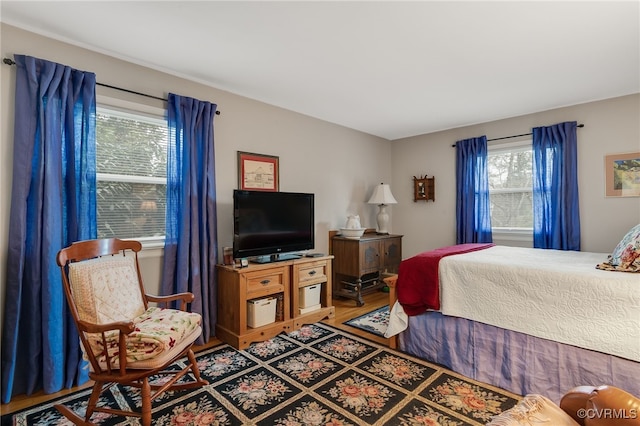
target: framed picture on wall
<point>258,172</point>
<point>622,175</point>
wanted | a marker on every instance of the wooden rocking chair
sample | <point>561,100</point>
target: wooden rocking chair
<point>125,340</point>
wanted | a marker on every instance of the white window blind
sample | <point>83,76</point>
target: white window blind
<point>510,187</point>
<point>131,174</point>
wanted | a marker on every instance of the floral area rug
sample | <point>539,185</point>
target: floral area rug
<point>375,322</point>
<point>317,375</point>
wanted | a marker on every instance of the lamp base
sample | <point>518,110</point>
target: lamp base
<point>383,220</point>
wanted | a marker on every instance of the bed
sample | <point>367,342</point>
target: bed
<point>526,320</point>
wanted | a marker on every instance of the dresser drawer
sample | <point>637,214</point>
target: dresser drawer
<point>312,273</point>
<point>265,282</point>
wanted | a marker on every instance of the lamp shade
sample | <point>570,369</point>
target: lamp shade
<point>382,195</point>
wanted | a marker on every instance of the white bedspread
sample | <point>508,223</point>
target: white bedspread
<point>552,294</point>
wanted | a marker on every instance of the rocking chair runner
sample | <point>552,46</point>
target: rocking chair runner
<point>125,340</point>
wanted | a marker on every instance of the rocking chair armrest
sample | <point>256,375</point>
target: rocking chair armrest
<point>125,327</point>
<point>185,298</point>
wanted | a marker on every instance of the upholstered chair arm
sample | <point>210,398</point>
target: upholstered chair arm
<point>602,406</point>
<point>184,298</point>
<point>575,401</point>
<point>612,406</point>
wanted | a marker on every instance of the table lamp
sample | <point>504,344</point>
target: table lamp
<point>382,196</point>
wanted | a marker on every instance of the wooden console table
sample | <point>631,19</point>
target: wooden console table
<point>278,279</point>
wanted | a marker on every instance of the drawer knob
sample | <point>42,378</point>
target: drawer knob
<point>265,282</point>
<point>312,273</point>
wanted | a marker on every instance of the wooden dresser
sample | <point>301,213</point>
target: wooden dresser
<point>359,263</point>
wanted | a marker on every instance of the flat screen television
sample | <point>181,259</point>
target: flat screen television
<point>271,226</point>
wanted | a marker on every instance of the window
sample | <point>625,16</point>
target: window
<point>131,174</point>
<point>510,187</point>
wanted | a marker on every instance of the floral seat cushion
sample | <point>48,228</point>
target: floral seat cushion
<point>156,331</point>
<point>107,290</point>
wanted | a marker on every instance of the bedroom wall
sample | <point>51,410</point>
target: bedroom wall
<point>611,126</point>
<point>341,166</point>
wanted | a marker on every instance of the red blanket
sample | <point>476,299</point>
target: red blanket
<point>418,286</point>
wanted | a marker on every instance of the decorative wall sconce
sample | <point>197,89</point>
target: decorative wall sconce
<point>424,188</point>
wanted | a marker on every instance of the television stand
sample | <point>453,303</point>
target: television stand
<point>276,258</point>
<point>294,282</point>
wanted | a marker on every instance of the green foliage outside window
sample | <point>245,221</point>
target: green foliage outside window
<point>131,166</point>
<point>510,188</point>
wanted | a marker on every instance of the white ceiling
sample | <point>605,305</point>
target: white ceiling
<point>388,68</point>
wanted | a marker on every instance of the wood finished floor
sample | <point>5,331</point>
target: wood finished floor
<point>345,310</point>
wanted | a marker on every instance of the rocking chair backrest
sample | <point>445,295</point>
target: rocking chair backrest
<point>106,289</point>
<point>106,284</point>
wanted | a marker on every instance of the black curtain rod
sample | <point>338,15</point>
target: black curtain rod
<point>513,136</point>
<point>9,61</point>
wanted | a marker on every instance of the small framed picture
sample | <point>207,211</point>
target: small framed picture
<point>622,175</point>
<point>258,172</point>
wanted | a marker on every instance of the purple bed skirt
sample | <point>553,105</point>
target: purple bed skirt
<point>513,361</point>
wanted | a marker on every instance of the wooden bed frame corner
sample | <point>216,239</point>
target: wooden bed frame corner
<point>390,281</point>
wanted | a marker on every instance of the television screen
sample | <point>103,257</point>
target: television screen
<point>267,224</point>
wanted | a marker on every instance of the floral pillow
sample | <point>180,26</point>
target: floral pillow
<point>626,256</point>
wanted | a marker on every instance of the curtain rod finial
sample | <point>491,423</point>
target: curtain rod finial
<point>9,61</point>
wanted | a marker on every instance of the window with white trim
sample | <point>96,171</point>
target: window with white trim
<point>510,168</point>
<point>131,171</point>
